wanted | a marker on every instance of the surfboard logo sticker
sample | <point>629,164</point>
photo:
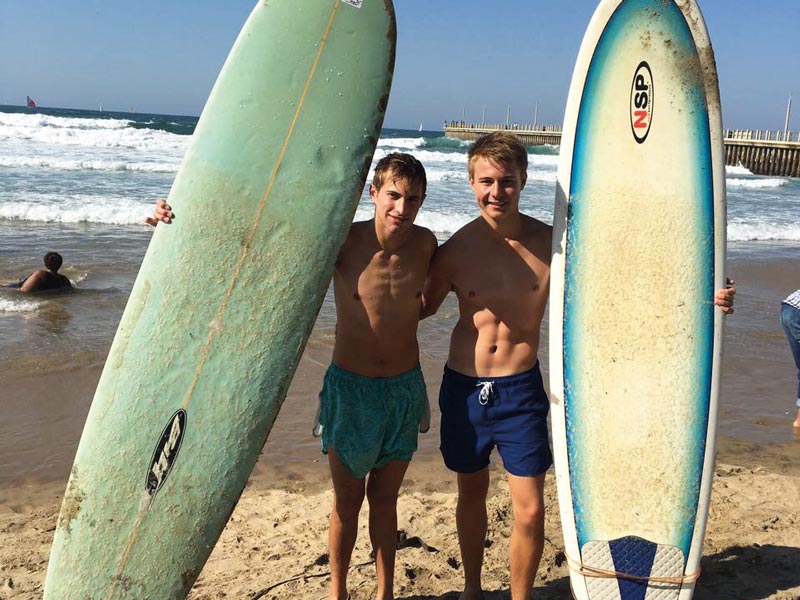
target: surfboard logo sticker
<point>356,3</point>
<point>166,452</point>
<point>642,102</point>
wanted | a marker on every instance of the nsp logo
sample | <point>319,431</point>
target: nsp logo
<point>166,452</point>
<point>642,102</point>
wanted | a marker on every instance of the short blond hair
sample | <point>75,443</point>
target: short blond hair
<point>499,147</point>
<point>402,166</point>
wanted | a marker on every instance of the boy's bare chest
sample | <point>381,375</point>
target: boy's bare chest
<point>503,296</point>
<point>509,274</point>
<point>380,278</point>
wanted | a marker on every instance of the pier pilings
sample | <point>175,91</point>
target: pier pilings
<point>764,152</point>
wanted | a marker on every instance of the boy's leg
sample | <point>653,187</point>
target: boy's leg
<point>383,486</point>
<point>348,495</point>
<point>527,537</point>
<point>790,319</point>
<point>471,523</point>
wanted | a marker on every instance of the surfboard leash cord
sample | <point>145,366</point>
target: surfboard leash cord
<point>589,571</point>
<point>261,593</point>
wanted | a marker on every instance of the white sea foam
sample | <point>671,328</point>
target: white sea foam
<point>38,120</point>
<point>18,306</point>
<point>437,175</point>
<point>772,182</point>
<point>754,231</point>
<point>94,133</point>
<point>737,170</point>
<point>542,176</point>
<point>548,160</point>
<point>400,143</point>
<point>68,164</point>
<point>443,224</point>
<point>78,209</point>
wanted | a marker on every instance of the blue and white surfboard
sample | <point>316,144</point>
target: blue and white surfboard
<point>639,249</point>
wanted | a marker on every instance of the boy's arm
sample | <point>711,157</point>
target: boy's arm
<point>437,285</point>
<point>33,282</point>
<point>725,297</point>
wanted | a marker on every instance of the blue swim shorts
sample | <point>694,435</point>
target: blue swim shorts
<point>479,413</point>
<point>370,421</point>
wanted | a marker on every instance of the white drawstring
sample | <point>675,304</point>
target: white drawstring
<point>487,387</point>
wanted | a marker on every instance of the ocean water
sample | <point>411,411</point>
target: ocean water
<point>81,182</point>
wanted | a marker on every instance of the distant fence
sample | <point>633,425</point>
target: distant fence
<point>762,135</point>
<point>761,152</point>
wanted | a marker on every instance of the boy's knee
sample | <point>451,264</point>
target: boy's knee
<point>530,516</point>
<point>348,505</point>
<point>473,487</point>
<point>472,501</point>
<point>381,498</point>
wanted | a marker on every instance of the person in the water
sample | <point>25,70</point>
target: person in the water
<point>44,279</point>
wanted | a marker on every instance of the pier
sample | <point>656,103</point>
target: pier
<point>760,152</point>
<point>764,152</point>
<point>531,135</point>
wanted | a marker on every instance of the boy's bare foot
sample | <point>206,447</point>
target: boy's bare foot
<point>796,423</point>
<point>471,594</point>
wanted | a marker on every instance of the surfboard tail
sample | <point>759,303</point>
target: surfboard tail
<point>632,568</point>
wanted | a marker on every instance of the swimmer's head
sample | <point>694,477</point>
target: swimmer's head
<point>53,260</point>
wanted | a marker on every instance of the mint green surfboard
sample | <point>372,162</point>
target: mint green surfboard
<point>225,299</point>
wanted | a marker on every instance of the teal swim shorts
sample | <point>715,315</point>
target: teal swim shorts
<point>370,421</point>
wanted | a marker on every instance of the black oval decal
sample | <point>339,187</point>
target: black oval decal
<point>642,102</point>
<point>166,452</point>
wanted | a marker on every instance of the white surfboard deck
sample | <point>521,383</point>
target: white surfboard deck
<point>635,341</point>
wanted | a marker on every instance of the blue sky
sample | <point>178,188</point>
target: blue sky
<point>453,56</point>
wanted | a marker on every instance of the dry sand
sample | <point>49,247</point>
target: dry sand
<point>275,545</point>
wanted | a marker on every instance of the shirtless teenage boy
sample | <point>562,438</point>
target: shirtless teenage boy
<point>492,393</point>
<point>42,280</point>
<point>373,398</point>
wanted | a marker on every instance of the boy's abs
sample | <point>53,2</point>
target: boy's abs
<point>373,356</point>
<point>491,351</point>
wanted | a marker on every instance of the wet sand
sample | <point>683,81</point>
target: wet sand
<point>277,534</point>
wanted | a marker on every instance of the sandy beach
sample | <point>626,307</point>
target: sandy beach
<point>275,545</point>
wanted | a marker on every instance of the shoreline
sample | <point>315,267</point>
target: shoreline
<point>32,417</point>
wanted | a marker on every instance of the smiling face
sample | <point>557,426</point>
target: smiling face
<point>397,203</point>
<point>497,187</point>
